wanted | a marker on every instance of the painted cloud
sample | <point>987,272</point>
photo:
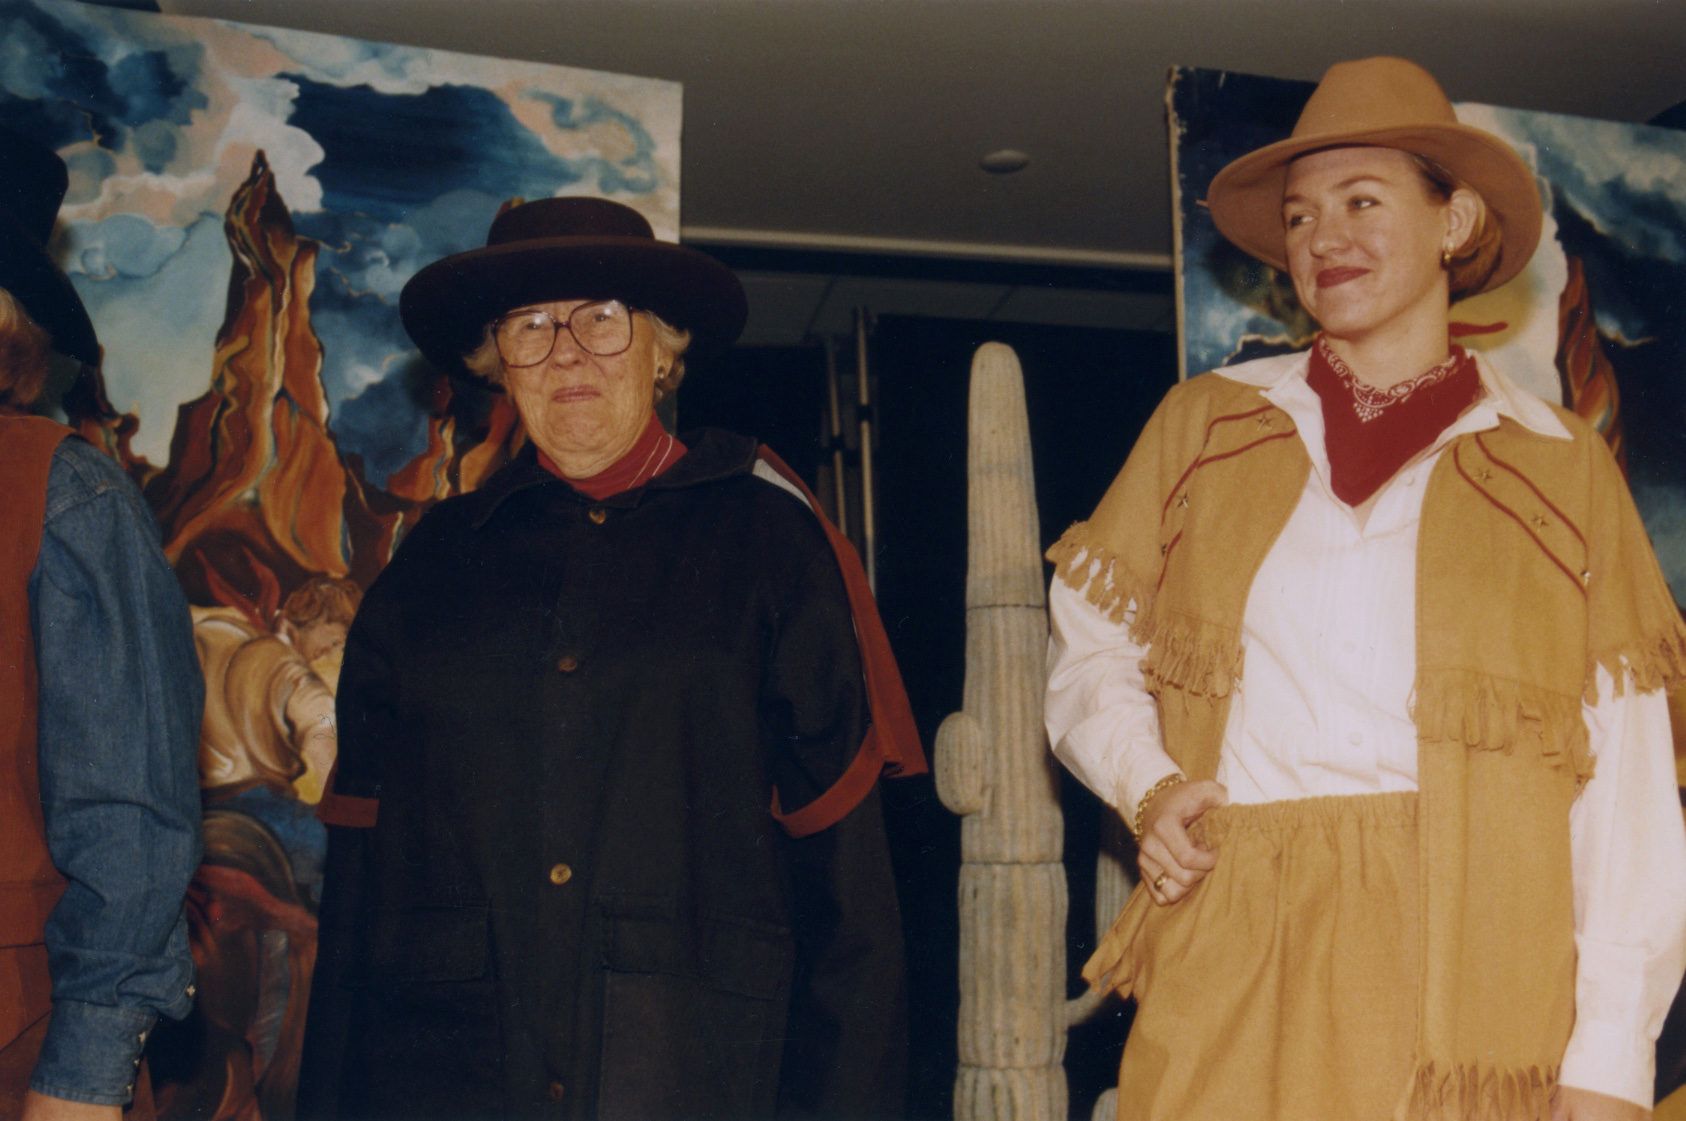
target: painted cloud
<point>389,156</point>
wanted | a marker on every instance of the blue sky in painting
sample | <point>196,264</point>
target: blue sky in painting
<point>406,179</point>
<point>384,155</point>
<point>634,175</point>
<point>383,151</point>
<point>67,91</point>
<point>378,225</point>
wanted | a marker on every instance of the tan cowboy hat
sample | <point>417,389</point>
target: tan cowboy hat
<point>1386,103</point>
<point>564,249</point>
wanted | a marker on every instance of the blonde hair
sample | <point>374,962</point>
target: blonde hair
<point>1474,262</point>
<point>25,354</point>
<point>485,361</point>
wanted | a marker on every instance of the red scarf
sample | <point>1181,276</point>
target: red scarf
<point>891,747</point>
<point>654,452</point>
<point>1371,433</point>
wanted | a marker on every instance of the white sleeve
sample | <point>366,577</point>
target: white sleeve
<point>1102,722</point>
<point>1628,847</point>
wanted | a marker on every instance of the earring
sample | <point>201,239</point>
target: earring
<point>1446,256</point>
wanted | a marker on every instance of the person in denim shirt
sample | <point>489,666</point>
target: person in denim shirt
<point>93,873</point>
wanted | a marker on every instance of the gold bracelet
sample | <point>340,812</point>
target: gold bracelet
<point>1154,791</point>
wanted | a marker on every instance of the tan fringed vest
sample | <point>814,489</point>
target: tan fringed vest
<point>29,884</point>
<point>1533,570</point>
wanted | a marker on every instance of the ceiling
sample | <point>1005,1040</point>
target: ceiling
<point>831,147</point>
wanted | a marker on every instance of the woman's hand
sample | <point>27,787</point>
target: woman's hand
<point>1166,849</point>
<point>1572,1104</point>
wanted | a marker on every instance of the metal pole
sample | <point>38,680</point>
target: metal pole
<point>863,386</point>
<point>834,419</point>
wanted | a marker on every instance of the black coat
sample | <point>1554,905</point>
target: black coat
<point>575,902</point>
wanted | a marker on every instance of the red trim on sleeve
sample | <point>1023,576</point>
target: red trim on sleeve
<point>1458,463</point>
<point>346,810</point>
<point>1481,443</point>
<point>844,795</point>
<point>891,747</point>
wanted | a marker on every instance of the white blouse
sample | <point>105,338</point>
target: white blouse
<point>1329,642</point>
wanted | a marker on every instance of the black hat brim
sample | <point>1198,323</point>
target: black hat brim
<point>46,293</point>
<point>446,306</point>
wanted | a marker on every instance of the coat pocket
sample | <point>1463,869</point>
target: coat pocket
<point>693,1016</point>
<point>433,1038</point>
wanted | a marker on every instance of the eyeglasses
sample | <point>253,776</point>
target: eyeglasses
<point>526,338</point>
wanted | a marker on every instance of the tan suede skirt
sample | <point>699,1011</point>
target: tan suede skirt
<point>1284,987</point>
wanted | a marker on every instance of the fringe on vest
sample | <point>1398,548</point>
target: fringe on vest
<point>1099,573</point>
<point>1476,1092</point>
<point>1190,655</point>
<point>1486,713</point>
<point>1656,661</point>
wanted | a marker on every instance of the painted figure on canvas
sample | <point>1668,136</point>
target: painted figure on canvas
<point>269,740</point>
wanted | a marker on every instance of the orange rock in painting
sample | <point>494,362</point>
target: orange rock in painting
<point>252,464</point>
<point>256,496</point>
<point>503,438</point>
<point>1589,380</point>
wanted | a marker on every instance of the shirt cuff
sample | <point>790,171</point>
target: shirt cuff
<point>92,1052</point>
<point>1148,767</point>
<point>1610,1059</point>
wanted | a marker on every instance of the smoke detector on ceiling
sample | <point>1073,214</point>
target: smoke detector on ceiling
<point>1004,161</point>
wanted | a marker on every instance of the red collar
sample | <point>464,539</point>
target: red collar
<point>655,451</point>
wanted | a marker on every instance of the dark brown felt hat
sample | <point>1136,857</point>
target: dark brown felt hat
<point>1385,103</point>
<point>566,249</point>
<point>32,184</point>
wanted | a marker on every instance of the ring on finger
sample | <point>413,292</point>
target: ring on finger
<point>1159,881</point>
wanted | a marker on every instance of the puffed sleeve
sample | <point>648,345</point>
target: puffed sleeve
<point>1102,722</point>
<point>1627,844</point>
<point>1629,872</point>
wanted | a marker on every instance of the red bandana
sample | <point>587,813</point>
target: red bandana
<point>654,452</point>
<point>1371,433</point>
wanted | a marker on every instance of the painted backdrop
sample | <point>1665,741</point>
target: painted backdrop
<point>1594,323</point>
<point>245,204</point>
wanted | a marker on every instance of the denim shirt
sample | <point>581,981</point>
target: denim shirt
<point>120,703</point>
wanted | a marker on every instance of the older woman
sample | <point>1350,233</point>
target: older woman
<point>1380,874</point>
<point>579,694</point>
